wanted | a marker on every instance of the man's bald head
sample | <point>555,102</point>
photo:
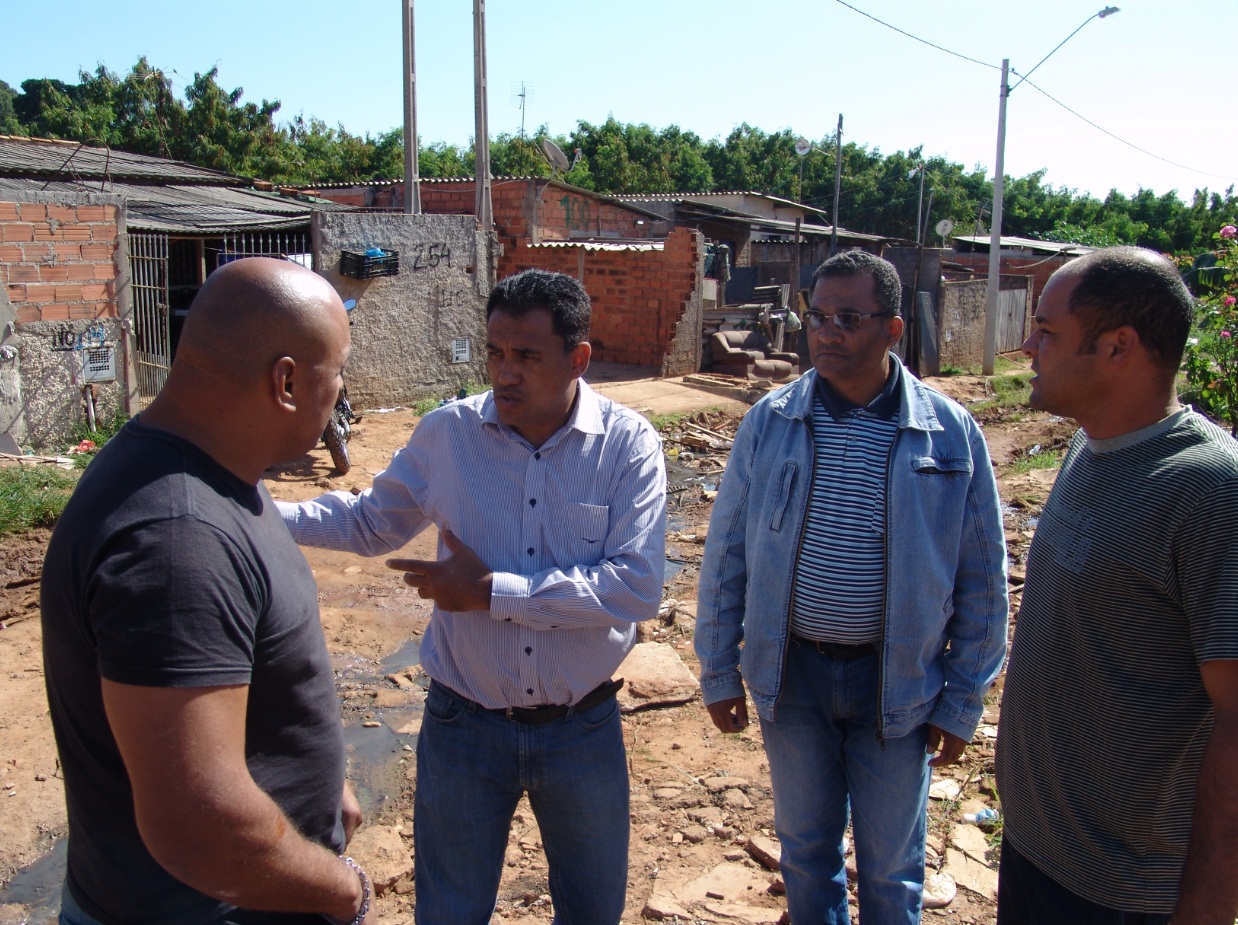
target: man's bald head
<point>251,312</point>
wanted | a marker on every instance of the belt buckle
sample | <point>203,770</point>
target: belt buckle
<point>508,713</point>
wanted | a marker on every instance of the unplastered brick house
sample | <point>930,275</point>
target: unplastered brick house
<point>100,255</point>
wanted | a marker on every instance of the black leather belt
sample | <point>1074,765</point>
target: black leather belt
<point>837,650</point>
<point>535,716</point>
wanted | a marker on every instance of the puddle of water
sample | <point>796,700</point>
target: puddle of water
<point>378,760</point>
<point>379,757</point>
<point>38,885</point>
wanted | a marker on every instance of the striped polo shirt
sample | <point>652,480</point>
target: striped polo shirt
<point>839,592</point>
<point>1132,583</point>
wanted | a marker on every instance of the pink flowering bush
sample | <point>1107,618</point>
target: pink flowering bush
<point>1212,353</point>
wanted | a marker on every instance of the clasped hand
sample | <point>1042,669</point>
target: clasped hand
<point>458,583</point>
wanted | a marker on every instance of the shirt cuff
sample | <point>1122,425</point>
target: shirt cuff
<point>509,596</point>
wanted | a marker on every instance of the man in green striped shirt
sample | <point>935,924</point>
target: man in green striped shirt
<point>1117,757</point>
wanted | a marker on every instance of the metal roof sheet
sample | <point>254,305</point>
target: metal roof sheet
<point>186,209</point>
<point>1029,244</point>
<point>605,245</point>
<point>40,157</point>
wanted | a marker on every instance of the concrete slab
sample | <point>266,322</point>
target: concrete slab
<point>642,389</point>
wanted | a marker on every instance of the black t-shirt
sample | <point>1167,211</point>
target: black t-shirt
<point>168,571</point>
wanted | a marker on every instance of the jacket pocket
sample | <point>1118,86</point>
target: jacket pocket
<point>786,481</point>
<point>943,465</point>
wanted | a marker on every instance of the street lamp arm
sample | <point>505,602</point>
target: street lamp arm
<point>1107,11</point>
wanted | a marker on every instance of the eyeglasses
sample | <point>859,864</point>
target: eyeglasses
<point>844,321</point>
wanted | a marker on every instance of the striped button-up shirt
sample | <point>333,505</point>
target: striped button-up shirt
<point>574,532</point>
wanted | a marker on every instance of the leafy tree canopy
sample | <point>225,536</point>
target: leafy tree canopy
<point>215,127</point>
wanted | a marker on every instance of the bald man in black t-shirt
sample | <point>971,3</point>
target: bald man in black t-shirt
<point>190,688</point>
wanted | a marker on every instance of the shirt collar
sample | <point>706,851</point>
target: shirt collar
<point>586,415</point>
<point>884,407</point>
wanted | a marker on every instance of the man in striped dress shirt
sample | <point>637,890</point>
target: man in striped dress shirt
<point>854,579</point>
<point>551,506</point>
<point>1117,755</point>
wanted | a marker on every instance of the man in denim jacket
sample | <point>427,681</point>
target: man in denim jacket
<point>855,578</point>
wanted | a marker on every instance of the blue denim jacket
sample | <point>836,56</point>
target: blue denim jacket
<point>946,602</point>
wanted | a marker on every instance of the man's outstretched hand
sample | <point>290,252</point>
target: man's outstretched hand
<point>458,583</point>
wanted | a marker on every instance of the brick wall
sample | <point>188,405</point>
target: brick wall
<point>59,262</point>
<point>645,303</point>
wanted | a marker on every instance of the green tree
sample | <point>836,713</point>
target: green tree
<point>222,133</point>
<point>9,124</point>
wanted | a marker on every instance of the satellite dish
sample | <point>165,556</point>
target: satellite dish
<point>944,227</point>
<point>554,154</point>
<point>802,146</point>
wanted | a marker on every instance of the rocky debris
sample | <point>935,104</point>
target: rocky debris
<point>766,852</point>
<point>737,912</point>
<point>971,841</point>
<point>972,875</point>
<point>654,675</point>
<point>720,784</point>
<point>406,678</point>
<point>695,834</point>
<point>662,905</point>
<point>939,890</point>
<point>947,788</point>
<point>727,881</point>
<point>411,728</point>
<point>736,799</point>
<point>382,855</point>
<point>390,700</point>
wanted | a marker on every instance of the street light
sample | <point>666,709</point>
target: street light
<point>995,233</point>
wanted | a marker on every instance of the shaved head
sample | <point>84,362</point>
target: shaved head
<point>253,311</point>
<point>1132,286</point>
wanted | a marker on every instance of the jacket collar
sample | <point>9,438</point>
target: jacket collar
<point>915,407</point>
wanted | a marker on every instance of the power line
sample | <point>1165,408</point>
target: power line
<point>1117,138</point>
<point>917,38</point>
<point>1024,79</point>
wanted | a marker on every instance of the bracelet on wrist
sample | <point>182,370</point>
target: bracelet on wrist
<point>364,909</point>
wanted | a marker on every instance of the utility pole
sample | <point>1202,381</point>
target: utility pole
<point>838,184</point>
<point>412,178</point>
<point>481,140</point>
<point>920,203</point>
<point>995,234</point>
<point>995,230</point>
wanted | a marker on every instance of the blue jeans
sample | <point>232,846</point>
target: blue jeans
<point>823,749</point>
<point>1028,896</point>
<point>473,766</point>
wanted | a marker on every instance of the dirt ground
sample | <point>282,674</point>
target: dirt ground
<point>701,803</point>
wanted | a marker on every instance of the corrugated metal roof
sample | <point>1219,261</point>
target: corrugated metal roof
<point>186,209</point>
<point>39,157</point>
<point>605,245</point>
<point>1029,244</point>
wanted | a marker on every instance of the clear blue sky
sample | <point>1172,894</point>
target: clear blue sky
<point>1158,74</point>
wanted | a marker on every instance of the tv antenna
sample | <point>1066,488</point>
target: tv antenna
<point>522,93</point>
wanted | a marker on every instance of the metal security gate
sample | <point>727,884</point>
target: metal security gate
<point>1011,312</point>
<point>148,262</point>
<point>291,245</point>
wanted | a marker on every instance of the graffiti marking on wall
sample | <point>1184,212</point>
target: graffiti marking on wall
<point>428,256</point>
<point>455,298</point>
<point>68,339</point>
<point>577,213</point>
